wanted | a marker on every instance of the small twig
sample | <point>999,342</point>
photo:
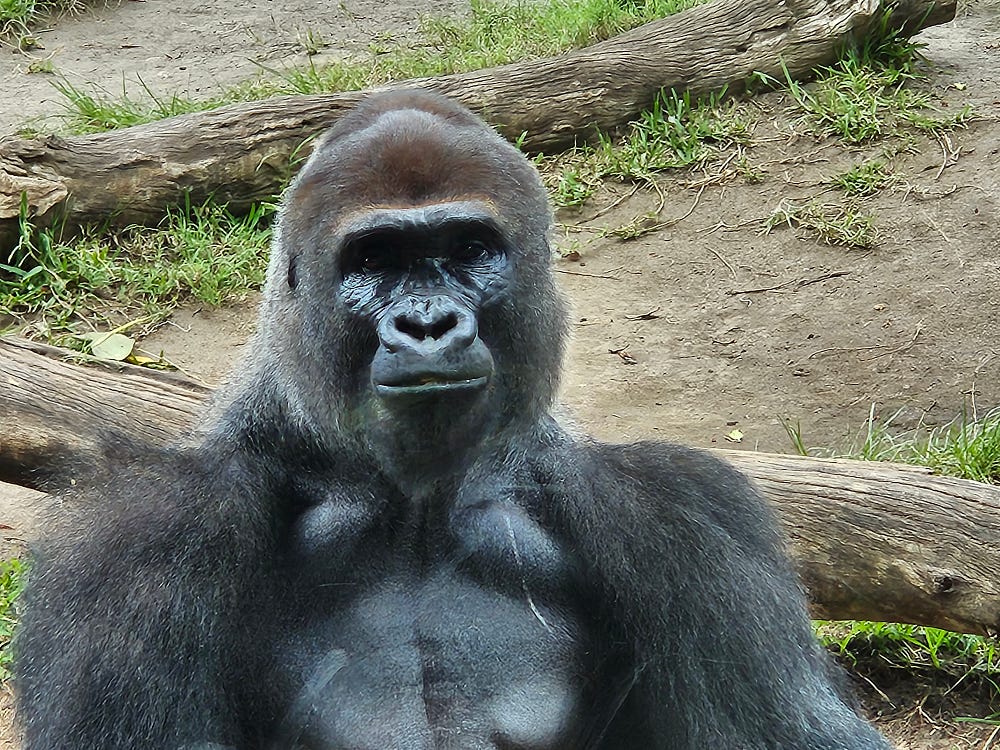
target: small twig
<point>950,155</point>
<point>641,225</point>
<point>724,262</point>
<point>877,689</point>
<point>720,174</point>
<point>617,203</point>
<point>944,160</point>
<point>589,275</point>
<point>580,228</point>
<point>732,227</point>
<point>651,315</point>
<point>934,225</point>
<point>990,741</point>
<point>697,200</point>
<point>898,349</point>
<point>623,354</point>
<point>659,191</point>
<point>795,283</point>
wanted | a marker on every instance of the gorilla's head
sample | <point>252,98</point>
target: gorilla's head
<point>409,303</point>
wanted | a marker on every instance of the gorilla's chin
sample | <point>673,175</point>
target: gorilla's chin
<point>433,430</point>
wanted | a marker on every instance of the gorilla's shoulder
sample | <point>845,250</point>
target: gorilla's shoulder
<point>653,464</point>
<point>667,482</point>
<point>140,500</point>
<point>129,472</point>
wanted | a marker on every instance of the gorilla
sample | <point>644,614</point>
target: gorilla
<point>382,539</point>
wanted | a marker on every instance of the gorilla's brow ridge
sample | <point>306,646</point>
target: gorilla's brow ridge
<point>388,216</point>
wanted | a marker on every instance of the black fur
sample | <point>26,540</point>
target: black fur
<point>383,541</point>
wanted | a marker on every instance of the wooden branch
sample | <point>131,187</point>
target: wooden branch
<point>887,542</point>
<point>871,541</point>
<point>57,411</point>
<point>245,153</point>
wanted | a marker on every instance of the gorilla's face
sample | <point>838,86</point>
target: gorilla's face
<point>411,278</point>
<point>422,279</point>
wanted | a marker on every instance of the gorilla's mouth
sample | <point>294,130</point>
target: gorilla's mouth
<point>431,385</point>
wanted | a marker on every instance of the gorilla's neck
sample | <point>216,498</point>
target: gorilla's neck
<point>424,450</point>
<point>430,450</point>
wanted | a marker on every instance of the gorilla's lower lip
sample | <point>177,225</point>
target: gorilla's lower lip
<point>431,385</point>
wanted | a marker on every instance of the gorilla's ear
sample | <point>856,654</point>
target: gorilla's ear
<point>293,276</point>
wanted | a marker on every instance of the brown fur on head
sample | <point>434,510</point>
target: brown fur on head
<point>418,149</point>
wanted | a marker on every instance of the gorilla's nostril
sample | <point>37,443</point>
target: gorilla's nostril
<point>441,327</point>
<point>426,329</point>
<point>410,328</point>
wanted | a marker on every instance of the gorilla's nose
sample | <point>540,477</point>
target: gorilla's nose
<point>428,325</point>
<point>430,347</point>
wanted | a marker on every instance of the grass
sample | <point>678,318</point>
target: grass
<point>869,93</point>
<point>864,179</point>
<point>843,224</point>
<point>198,252</point>
<point>913,647</point>
<point>494,33</point>
<point>92,111</point>
<point>932,654</point>
<point>11,583</point>
<point>968,447</point>
<point>676,133</point>
<point>18,16</point>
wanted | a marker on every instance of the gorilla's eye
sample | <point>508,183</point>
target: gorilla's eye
<point>470,250</point>
<point>374,262</point>
<point>473,250</point>
<point>372,255</point>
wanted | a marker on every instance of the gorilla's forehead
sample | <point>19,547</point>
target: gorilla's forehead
<point>414,160</point>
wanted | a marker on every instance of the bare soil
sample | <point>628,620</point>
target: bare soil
<point>707,325</point>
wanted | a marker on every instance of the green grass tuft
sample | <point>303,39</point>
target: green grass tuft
<point>198,252</point>
<point>19,14</point>
<point>915,649</point>
<point>676,133</point>
<point>11,584</point>
<point>864,179</point>
<point>968,447</point>
<point>846,225</point>
<point>868,94</point>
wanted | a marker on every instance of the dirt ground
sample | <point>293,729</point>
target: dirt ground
<point>701,328</point>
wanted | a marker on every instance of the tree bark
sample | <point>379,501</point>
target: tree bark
<point>55,413</point>
<point>244,153</point>
<point>887,542</point>
<point>871,541</point>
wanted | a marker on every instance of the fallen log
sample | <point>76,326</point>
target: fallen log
<point>871,541</point>
<point>22,514</point>
<point>52,411</point>
<point>244,153</point>
<point>887,542</point>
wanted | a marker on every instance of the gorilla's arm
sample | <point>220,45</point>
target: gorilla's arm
<point>131,632</point>
<point>688,557</point>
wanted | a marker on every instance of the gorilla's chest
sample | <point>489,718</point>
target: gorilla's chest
<point>471,644</point>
